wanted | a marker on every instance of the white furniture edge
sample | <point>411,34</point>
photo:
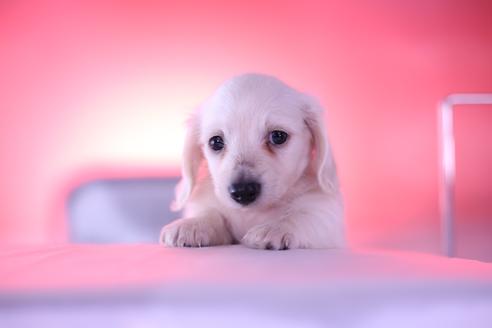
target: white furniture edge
<point>447,162</point>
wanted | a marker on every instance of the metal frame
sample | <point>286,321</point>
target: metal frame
<point>447,162</point>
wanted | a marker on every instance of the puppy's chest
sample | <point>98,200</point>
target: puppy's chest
<point>239,222</point>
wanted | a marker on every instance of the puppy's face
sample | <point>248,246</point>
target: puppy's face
<point>255,140</point>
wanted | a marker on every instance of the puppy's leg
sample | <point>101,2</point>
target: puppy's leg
<point>316,226</point>
<point>272,235</point>
<point>207,230</point>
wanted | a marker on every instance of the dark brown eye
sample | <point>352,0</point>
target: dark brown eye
<point>216,143</point>
<point>278,137</point>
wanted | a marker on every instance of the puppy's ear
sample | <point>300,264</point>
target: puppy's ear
<point>324,164</point>
<point>192,158</point>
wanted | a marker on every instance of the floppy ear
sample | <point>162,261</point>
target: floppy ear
<point>324,164</point>
<point>192,158</point>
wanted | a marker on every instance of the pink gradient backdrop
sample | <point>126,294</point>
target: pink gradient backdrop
<point>88,86</point>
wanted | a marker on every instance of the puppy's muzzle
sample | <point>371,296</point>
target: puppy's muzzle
<point>245,192</point>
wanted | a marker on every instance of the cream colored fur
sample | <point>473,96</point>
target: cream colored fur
<point>300,205</point>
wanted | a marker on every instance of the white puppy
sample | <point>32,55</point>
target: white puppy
<point>268,179</point>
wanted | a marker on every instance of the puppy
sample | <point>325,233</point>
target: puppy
<point>258,169</point>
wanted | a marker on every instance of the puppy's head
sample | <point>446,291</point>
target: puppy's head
<point>259,137</point>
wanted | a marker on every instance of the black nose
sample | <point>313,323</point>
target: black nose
<point>245,192</point>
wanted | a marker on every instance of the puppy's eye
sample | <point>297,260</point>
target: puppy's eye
<point>216,143</point>
<point>278,137</point>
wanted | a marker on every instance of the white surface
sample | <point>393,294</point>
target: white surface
<point>149,286</point>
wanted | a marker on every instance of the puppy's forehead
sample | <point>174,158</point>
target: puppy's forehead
<point>258,100</point>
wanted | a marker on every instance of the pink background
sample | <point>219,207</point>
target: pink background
<point>96,88</point>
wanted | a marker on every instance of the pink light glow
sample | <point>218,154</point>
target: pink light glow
<point>73,267</point>
<point>88,84</point>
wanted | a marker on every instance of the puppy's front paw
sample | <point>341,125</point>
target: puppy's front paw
<point>189,232</point>
<point>271,236</point>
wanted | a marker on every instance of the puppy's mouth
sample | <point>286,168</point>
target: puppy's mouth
<point>245,192</point>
